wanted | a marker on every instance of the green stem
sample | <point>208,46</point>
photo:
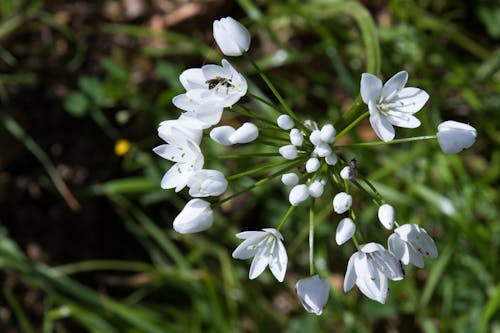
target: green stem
<point>243,110</point>
<point>255,170</point>
<point>311,238</point>
<point>381,143</point>
<point>231,156</point>
<point>264,101</point>
<point>273,89</point>
<point>285,218</point>
<point>355,241</point>
<point>351,125</point>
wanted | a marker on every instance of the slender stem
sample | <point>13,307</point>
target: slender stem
<point>375,197</point>
<point>351,125</point>
<point>311,238</point>
<point>231,156</point>
<point>264,101</point>
<point>353,109</point>
<point>255,170</point>
<point>243,110</point>
<point>381,143</point>
<point>273,90</point>
<point>287,215</point>
<point>356,243</point>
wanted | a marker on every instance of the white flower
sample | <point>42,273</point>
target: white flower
<point>392,103</point>
<point>290,179</point>
<point>196,216</point>
<point>288,152</point>
<point>218,86</point>
<point>186,155</point>
<point>244,134</point>
<point>315,137</point>
<point>328,133</point>
<point>453,136</point>
<point>312,165</point>
<point>206,183</point>
<point>266,248</point>
<point>342,202</point>
<point>345,230</point>
<point>369,269</point>
<point>316,188</point>
<point>298,194</point>
<point>221,135</point>
<point>204,112</point>
<point>285,122</point>
<point>411,244</point>
<point>387,216</point>
<point>296,138</point>
<point>313,293</point>
<point>189,127</point>
<point>231,36</point>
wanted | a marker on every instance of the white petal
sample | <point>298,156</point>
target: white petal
<point>195,217</point>
<point>249,234</point>
<point>192,78</point>
<point>323,149</point>
<point>350,274</point>
<point>381,126</point>
<point>285,122</point>
<point>221,135</point>
<point>247,132</point>
<point>399,248</point>
<point>248,248</point>
<point>453,137</point>
<point>410,100</point>
<point>402,120</point>
<point>315,137</point>
<point>388,264</point>
<point>259,262</point>
<point>279,261</point>
<point>231,37</point>
<point>387,216</point>
<point>313,293</point>
<point>176,177</point>
<point>205,183</point>
<point>371,247</point>
<point>371,88</point>
<point>331,159</point>
<point>298,194</point>
<point>288,152</point>
<point>346,173</point>
<point>345,230</point>
<point>394,85</point>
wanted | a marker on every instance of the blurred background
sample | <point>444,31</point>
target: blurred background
<point>86,243</point>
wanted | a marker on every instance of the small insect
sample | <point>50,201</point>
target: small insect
<point>216,81</point>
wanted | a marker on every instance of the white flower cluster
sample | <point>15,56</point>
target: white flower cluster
<point>212,88</point>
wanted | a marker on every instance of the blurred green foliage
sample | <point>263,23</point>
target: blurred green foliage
<point>120,75</point>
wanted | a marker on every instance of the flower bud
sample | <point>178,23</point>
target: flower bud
<point>288,152</point>
<point>196,216</point>
<point>386,216</point>
<point>345,230</point>
<point>312,165</point>
<point>221,135</point>
<point>453,136</point>
<point>331,159</point>
<point>323,149</point>
<point>316,188</point>
<point>290,179</point>
<point>206,183</point>
<point>328,133</point>
<point>285,122</point>
<point>342,202</point>
<point>296,138</point>
<point>245,134</point>
<point>346,173</point>
<point>315,137</point>
<point>232,37</point>
<point>313,293</point>
<point>298,194</point>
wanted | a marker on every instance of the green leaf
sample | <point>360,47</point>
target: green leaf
<point>93,88</point>
<point>76,104</point>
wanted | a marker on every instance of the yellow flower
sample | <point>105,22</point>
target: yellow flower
<point>122,146</point>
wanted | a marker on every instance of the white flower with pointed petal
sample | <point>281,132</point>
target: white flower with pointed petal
<point>186,155</point>
<point>369,269</point>
<point>313,293</point>
<point>411,244</point>
<point>207,114</point>
<point>206,183</point>
<point>195,217</point>
<point>189,127</point>
<point>219,86</point>
<point>231,36</point>
<point>266,248</point>
<point>391,104</point>
<point>453,136</point>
